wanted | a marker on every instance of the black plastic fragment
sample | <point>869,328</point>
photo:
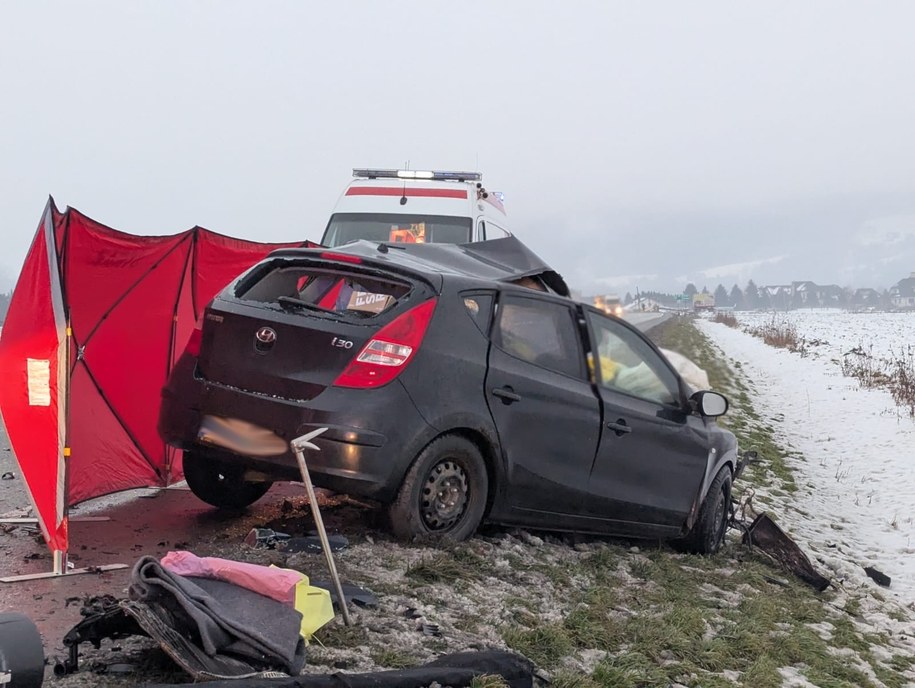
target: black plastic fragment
<point>311,544</point>
<point>878,577</point>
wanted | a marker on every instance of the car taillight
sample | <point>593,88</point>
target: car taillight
<point>341,257</point>
<point>388,352</point>
<point>193,344</point>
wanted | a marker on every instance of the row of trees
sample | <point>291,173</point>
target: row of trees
<point>753,297</point>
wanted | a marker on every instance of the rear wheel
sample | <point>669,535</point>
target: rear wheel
<point>443,495</point>
<point>709,529</point>
<point>220,484</point>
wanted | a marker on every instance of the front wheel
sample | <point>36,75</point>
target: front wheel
<point>220,484</point>
<point>443,495</point>
<point>708,531</point>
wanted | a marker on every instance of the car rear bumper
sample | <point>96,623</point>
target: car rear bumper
<point>354,457</point>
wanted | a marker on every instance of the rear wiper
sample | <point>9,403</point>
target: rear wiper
<point>298,303</point>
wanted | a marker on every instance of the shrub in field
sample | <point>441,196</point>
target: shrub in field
<point>726,318</point>
<point>861,364</point>
<point>902,379</point>
<point>897,373</point>
<point>781,333</point>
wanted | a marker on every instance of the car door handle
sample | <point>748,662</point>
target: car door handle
<point>619,427</point>
<point>506,394</point>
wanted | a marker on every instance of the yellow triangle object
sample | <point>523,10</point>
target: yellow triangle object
<point>315,607</point>
<point>314,604</point>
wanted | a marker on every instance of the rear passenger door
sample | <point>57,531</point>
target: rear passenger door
<point>544,408</point>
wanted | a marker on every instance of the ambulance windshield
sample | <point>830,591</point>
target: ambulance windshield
<point>411,229</point>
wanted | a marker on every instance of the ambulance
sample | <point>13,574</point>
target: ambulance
<point>416,206</point>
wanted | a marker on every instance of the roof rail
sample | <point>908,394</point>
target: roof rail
<point>418,174</point>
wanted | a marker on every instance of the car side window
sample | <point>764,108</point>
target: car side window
<point>481,231</point>
<point>540,332</point>
<point>496,232</point>
<point>626,363</point>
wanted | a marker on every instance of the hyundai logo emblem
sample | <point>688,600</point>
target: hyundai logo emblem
<point>265,336</point>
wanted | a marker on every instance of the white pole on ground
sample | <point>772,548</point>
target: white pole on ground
<point>299,445</point>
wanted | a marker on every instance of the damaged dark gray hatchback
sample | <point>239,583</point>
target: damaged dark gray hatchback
<point>457,383</point>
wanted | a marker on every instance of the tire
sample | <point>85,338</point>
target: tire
<point>443,496</point>
<point>21,652</point>
<point>708,531</point>
<point>220,484</point>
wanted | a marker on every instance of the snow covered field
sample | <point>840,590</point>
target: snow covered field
<point>838,331</point>
<point>855,505</point>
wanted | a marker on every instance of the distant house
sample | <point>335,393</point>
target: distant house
<point>778,295</point>
<point>902,294</point>
<point>812,295</point>
<point>804,294</point>
<point>865,298</point>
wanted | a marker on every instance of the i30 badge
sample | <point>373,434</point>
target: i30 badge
<point>264,339</point>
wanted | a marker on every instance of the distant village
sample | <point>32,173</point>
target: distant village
<point>805,294</point>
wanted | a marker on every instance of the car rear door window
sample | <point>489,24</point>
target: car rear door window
<point>330,291</point>
<point>626,363</point>
<point>479,308</point>
<point>540,332</point>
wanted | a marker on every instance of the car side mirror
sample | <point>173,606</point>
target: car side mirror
<point>710,404</point>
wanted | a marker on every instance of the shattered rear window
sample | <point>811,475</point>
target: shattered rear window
<point>324,290</point>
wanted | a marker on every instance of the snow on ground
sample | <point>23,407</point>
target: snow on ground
<point>855,505</point>
<point>838,332</point>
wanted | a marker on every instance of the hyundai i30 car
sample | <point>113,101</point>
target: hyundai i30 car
<point>457,383</point>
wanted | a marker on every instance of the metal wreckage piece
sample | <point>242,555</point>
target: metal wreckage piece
<point>767,537</point>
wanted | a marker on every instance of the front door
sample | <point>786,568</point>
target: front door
<point>545,410</point>
<point>653,452</point>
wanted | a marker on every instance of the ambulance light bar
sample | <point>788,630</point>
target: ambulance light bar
<point>419,174</point>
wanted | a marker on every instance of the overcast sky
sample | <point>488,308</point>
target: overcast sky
<point>637,144</point>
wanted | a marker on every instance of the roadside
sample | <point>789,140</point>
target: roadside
<point>588,611</point>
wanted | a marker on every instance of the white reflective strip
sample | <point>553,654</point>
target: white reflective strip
<point>63,377</point>
<point>39,375</point>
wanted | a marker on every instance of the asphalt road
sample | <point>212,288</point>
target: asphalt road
<point>646,321</point>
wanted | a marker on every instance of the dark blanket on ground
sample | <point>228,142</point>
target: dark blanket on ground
<point>230,631</point>
<point>457,670</point>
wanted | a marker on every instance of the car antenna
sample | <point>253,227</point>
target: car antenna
<point>403,199</point>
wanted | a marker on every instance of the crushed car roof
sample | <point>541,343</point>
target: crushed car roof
<point>501,260</point>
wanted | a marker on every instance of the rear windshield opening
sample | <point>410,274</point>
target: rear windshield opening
<point>323,290</point>
<point>394,228</point>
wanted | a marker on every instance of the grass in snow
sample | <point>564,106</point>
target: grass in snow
<point>599,612</point>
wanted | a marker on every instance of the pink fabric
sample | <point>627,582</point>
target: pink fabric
<point>278,584</point>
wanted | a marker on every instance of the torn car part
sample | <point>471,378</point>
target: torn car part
<point>354,594</point>
<point>265,538</point>
<point>768,538</point>
<point>459,670</point>
<point>878,577</point>
<point>103,618</point>
<point>746,458</point>
<point>311,544</point>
